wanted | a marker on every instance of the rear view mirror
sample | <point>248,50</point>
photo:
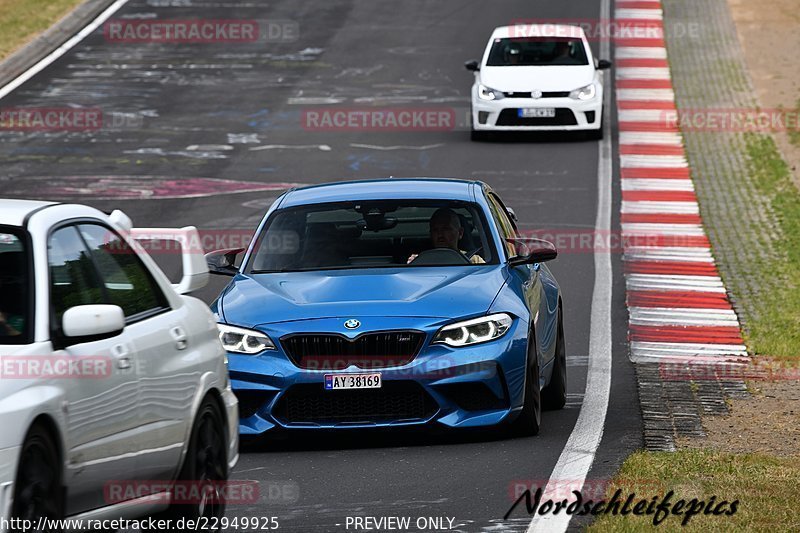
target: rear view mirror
<point>472,66</point>
<point>221,262</point>
<point>85,323</point>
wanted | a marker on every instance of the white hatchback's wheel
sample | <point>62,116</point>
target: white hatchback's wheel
<point>37,490</point>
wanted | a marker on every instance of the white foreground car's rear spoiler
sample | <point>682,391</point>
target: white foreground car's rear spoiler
<point>195,270</point>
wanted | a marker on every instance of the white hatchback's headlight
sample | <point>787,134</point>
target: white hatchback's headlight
<point>241,340</point>
<point>584,93</point>
<point>477,330</point>
<point>485,93</point>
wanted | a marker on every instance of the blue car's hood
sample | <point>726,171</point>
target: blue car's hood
<point>421,291</point>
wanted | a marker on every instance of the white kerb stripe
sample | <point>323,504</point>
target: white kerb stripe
<point>643,115</point>
<point>643,73</point>
<point>667,208</point>
<point>669,138</point>
<point>663,316</point>
<point>661,95</point>
<point>652,184</point>
<point>641,52</point>
<point>644,14</point>
<point>687,230</point>
<point>655,282</point>
<point>650,161</point>
<point>669,253</point>
<point>681,349</point>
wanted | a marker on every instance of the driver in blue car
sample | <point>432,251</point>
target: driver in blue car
<point>446,231</point>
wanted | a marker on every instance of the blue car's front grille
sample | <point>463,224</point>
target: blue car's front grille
<point>329,351</point>
<point>395,401</point>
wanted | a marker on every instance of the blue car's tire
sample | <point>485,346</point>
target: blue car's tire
<point>554,395</point>
<point>530,419</point>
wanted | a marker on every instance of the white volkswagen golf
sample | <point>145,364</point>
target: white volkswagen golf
<point>109,373</point>
<point>537,77</point>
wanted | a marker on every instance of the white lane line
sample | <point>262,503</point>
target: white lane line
<point>578,455</point>
<point>641,52</point>
<point>668,138</point>
<point>314,100</point>
<point>655,184</point>
<point>396,147</point>
<point>668,253</point>
<point>662,95</point>
<point>61,50</point>
<point>641,228</point>
<point>643,14</point>
<point>322,147</point>
<point>653,161</point>
<point>663,208</point>
<point>643,73</point>
<point>667,316</point>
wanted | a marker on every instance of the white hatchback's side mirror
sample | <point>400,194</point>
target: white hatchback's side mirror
<point>92,321</point>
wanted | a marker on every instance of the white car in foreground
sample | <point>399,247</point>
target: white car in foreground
<point>113,385</point>
<point>536,77</point>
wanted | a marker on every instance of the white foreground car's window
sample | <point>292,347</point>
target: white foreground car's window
<point>15,309</point>
<point>73,280</point>
<point>126,281</point>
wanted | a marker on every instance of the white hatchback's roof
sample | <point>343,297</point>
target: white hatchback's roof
<point>538,30</point>
<point>13,212</point>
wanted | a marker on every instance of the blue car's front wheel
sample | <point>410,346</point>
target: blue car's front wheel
<point>530,419</point>
<point>554,395</point>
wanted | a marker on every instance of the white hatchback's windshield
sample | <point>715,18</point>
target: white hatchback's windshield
<point>537,51</point>
<point>14,288</point>
<point>373,234</point>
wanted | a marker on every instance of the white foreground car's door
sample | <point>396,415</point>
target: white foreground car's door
<point>168,372</point>
<point>100,403</point>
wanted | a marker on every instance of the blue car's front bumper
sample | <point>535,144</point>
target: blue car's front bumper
<point>480,385</point>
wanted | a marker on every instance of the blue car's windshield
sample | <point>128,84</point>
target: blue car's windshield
<point>373,234</point>
<point>15,311</point>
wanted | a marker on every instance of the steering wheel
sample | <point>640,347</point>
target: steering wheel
<point>474,252</point>
<point>440,256</point>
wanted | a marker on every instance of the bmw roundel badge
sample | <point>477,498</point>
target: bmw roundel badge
<point>352,323</point>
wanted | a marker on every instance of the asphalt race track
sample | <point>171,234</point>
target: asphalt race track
<point>178,114</point>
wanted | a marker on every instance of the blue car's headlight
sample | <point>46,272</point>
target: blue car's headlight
<point>477,330</point>
<point>241,340</point>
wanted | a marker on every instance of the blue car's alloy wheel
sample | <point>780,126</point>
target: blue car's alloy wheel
<point>530,419</point>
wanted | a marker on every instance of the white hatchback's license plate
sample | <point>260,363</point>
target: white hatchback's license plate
<point>537,112</point>
<point>352,381</point>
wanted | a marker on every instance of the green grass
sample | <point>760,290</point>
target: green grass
<point>21,20</point>
<point>765,487</point>
<point>776,330</point>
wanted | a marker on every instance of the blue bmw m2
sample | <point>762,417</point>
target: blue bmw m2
<point>391,302</point>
